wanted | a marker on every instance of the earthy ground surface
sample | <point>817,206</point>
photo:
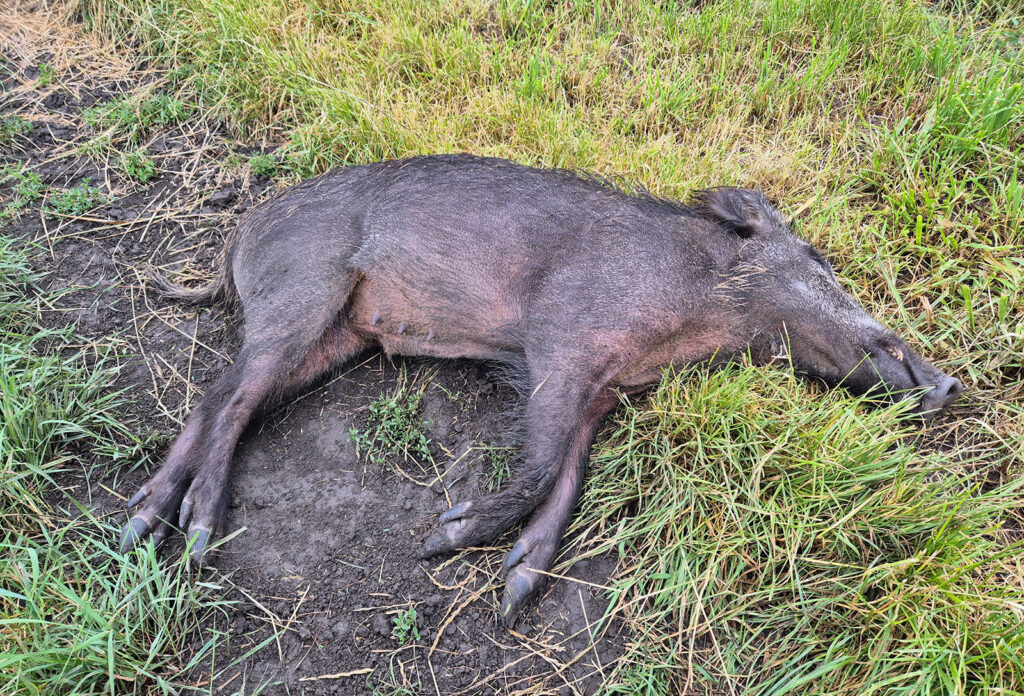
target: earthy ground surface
<point>324,551</point>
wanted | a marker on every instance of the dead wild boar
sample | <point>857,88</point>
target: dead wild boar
<point>587,289</point>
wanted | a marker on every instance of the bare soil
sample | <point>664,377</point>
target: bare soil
<point>323,547</point>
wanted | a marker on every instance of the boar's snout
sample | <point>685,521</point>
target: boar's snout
<point>898,369</point>
<point>943,393</point>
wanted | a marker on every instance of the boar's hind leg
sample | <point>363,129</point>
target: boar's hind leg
<point>191,487</point>
<point>553,413</point>
<point>534,552</point>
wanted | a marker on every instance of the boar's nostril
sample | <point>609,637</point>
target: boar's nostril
<point>942,394</point>
<point>953,389</point>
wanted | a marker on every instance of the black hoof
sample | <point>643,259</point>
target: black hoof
<point>455,512</point>
<point>133,532</point>
<point>184,513</point>
<point>518,589</point>
<point>515,555</point>
<point>198,539</point>
<point>436,543</point>
<point>138,497</point>
<point>451,533</point>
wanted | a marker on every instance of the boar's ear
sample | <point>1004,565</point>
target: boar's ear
<point>743,211</point>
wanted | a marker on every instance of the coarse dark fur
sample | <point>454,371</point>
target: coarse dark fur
<point>589,290</point>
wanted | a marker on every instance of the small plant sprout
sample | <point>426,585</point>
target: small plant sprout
<point>394,427</point>
<point>46,74</point>
<point>405,627</point>
<point>499,460</point>
<point>264,165</point>
<point>26,188</point>
<point>13,127</point>
<point>76,201</point>
<point>139,166</point>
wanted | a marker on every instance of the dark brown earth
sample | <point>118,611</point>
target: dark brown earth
<point>323,547</point>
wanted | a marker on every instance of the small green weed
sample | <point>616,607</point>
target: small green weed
<point>46,75</point>
<point>455,396</point>
<point>405,626</point>
<point>76,201</point>
<point>27,188</point>
<point>139,166</point>
<point>96,147</point>
<point>12,127</point>
<point>134,117</point>
<point>393,428</point>
<point>264,165</point>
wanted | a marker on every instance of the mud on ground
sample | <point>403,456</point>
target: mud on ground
<point>323,548</point>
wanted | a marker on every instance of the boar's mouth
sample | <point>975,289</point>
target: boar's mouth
<point>893,369</point>
<point>883,368</point>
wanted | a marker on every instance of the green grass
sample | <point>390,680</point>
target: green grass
<point>815,553</point>
<point>77,200</point>
<point>499,465</point>
<point>264,165</point>
<point>394,428</point>
<point>139,166</point>
<point>773,539</point>
<point>24,187</point>
<point>134,116</point>
<point>13,127</point>
<point>393,684</point>
<point>75,615</point>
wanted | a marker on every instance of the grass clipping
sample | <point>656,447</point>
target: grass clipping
<point>779,541</point>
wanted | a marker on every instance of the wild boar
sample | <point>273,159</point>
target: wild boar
<point>587,289</point>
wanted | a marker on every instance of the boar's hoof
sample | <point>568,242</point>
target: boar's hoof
<point>455,512</point>
<point>133,532</point>
<point>198,540</point>
<point>520,585</point>
<point>138,497</point>
<point>525,565</point>
<point>185,513</point>
<point>452,533</point>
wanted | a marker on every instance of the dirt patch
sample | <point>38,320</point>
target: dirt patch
<point>324,556</point>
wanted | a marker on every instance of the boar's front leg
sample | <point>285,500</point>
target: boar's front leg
<point>558,405</point>
<point>534,552</point>
<point>555,407</point>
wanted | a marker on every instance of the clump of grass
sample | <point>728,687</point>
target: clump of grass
<point>405,627</point>
<point>135,116</point>
<point>76,201</point>
<point>12,127</point>
<point>394,428</point>
<point>78,617</point>
<point>264,165</point>
<point>26,188</point>
<point>780,541</point>
<point>139,166</point>
<point>96,147</point>
<point>499,466</point>
<point>394,684</point>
